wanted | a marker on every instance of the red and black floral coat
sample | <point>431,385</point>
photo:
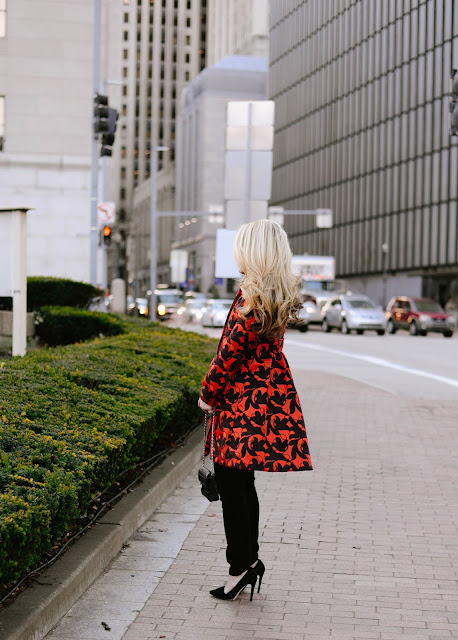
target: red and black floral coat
<point>258,418</point>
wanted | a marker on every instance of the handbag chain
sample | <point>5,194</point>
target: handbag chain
<point>212,420</point>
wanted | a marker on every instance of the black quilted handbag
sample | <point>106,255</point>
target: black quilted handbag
<point>207,476</point>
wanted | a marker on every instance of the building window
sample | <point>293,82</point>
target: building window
<point>124,72</point>
<point>188,22</point>
<point>126,35</point>
<point>124,90</point>
<point>123,172</point>
<point>188,4</point>
<point>125,54</point>
<point>123,152</point>
<point>188,40</point>
<point>187,58</point>
<point>2,121</point>
<point>186,76</point>
<point>126,17</point>
<point>124,110</point>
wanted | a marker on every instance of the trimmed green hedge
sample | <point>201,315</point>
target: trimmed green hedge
<point>67,325</point>
<point>72,418</point>
<point>47,291</point>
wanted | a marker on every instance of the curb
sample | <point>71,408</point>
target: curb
<point>40,607</point>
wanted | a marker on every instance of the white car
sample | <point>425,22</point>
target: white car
<point>353,312</point>
<point>216,313</point>
<point>192,310</point>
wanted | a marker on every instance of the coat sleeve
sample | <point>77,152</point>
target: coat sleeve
<point>234,348</point>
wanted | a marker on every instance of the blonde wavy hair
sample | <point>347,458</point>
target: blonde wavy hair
<point>270,289</point>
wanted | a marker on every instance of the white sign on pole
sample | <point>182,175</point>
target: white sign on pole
<point>324,218</point>
<point>106,213</point>
<point>6,256</point>
<point>225,266</point>
<point>178,265</point>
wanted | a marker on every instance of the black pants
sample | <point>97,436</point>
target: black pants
<point>240,515</point>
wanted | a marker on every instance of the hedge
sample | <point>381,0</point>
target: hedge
<point>47,291</point>
<point>66,325</point>
<point>72,418</point>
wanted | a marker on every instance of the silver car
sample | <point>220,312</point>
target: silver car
<point>353,312</point>
<point>216,312</point>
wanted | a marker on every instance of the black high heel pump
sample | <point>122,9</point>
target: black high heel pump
<point>250,577</point>
<point>260,569</point>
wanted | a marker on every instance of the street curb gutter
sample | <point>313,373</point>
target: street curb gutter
<point>36,611</point>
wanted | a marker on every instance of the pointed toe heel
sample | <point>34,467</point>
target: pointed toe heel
<point>249,578</point>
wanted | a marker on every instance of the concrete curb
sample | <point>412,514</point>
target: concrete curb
<point>36,611</point>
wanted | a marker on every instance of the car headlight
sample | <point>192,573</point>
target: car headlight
<point>310,309</point>
<point>425,318</point>
<point>161,310</point>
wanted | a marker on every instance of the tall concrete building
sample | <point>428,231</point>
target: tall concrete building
<point>46,51</point>
<point>201,144</point>
<point>237,27</point>
<point>361,96</point>
<point>164,47</point>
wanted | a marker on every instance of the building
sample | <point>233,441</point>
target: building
<point>164,47</point>
<point>361,94</point>
<point>46,109</point>
<point>201,144</point>
<point>237,27</point>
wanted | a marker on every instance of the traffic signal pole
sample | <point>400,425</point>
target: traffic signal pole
<point>93,235</point>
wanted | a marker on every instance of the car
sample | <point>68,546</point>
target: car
<point>141,306</point>
<point>192,309</point>
<point>216,312</point>
<point>304,315</point>
<point>419,316</point>
<point>353,312</point>
<point>167,302</point>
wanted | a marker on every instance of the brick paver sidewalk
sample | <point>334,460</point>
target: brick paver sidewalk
<point>365,546</point>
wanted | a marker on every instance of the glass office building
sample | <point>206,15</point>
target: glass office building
<point>362,107</point>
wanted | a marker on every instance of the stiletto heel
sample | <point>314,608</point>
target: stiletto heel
<point>250,577</point>
<point>260,569</point>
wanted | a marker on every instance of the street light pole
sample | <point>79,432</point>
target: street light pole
<point>93,228</point>
<point>385,249</point>
<point>153,230</point>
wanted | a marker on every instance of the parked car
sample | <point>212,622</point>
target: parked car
<point>304,315</point>
<point>418,316</point>
<point>192,310</point>
<point>216,312</point>
<point>353,312</point>
<point>141,306</point>
<point>167,302</point>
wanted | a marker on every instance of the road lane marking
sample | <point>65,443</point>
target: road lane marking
<point>377,361</point>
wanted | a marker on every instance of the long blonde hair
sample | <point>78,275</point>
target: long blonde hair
<point>270,289</point>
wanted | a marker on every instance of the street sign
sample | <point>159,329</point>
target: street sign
<point>106,213</point>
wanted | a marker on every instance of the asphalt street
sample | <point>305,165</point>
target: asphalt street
<point>418,366</point>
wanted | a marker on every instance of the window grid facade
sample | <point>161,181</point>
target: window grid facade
<point>361,92</point>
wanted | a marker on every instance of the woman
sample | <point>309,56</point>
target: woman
<point>258,422</point>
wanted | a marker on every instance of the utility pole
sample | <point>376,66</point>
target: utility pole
<point>93,229</point>
<point>153,231</point>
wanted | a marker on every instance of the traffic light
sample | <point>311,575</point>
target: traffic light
<point>101,111</point>
<point>109,136</point>
<point>454,103</point>
<point>107,235</point>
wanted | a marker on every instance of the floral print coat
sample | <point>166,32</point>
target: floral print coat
<point>258,419</point>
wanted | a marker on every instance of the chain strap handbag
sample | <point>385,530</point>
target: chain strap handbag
<point>207,476</point>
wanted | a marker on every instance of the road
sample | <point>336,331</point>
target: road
<point>423,367</point>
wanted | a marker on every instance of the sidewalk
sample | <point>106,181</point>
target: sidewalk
<point>365,546</point>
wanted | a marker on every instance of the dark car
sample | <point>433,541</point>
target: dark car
<point>418,316</point>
